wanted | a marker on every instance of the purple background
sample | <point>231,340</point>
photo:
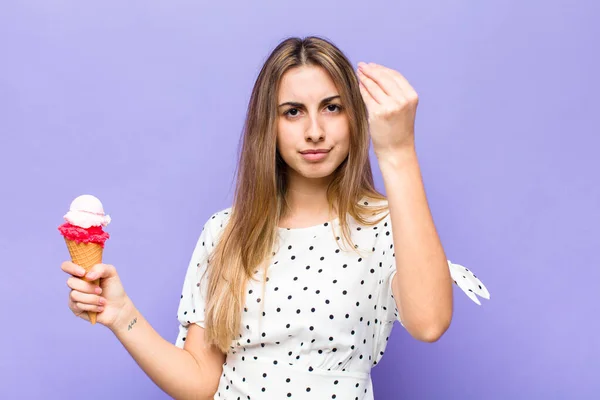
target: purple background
<point>142,104</point>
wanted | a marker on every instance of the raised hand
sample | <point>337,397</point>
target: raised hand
<point>392,105</point>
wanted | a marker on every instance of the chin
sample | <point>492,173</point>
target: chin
<point>317,171</point>
<point>316,174</point>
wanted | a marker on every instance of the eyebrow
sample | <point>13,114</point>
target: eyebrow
<point>300,105</point>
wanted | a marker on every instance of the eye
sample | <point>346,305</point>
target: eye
<point>292,112</point>
<point>333,107</point>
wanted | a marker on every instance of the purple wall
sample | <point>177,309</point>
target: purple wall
<point>142,104</point>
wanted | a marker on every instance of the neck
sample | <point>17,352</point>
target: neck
<point>307,199</point>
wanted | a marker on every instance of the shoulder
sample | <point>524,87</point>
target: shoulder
<point>216,222</point>
<point>219,216</point>
<point>209,234</point>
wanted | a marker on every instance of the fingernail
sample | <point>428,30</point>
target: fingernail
<point>92,275</point>
<point>80,271</point>
<point>100,309</point>
<point>361,64</point>
<point>98,290</point>
<point>101,301</point>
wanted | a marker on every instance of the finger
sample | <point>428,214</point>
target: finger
<point>89,307</point>
<point>368,99</point>
<point>78,312</point>
<point>73,307</point>
<point>73,269</point>
<point>373,88</point>
<point>83,286</point>
<point>400,80</point>
<point>85,298</point>
<point>100,271</point>
<point>386,81</point>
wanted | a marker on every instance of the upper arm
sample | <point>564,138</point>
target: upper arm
<point>396,293</point>
<point>191,310</point>
<point>209,358</point>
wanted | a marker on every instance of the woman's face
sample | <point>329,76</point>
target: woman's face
<point>313,135</point>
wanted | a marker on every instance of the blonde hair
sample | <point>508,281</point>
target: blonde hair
<point>247,241</point>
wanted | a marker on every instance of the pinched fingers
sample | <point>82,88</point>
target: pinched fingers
<point>375,91</point>
<point>407,89</point>
<point>380,77</point>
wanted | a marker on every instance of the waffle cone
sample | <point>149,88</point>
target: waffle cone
<point>86,255</point>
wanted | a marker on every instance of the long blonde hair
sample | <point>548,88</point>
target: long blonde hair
<point>246,242</point>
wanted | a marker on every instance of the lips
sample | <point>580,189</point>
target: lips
<point>317,151</point>
<point>315,155</point>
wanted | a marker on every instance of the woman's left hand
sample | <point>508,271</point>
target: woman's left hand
<point>392,105</point>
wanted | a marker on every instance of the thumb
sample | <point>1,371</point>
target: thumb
<point>101,271</point>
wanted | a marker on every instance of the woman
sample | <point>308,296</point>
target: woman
<point>293,291</point>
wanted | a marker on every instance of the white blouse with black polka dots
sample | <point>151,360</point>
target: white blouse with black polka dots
<point>325,317</point>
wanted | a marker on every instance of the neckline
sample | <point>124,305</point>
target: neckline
<point>325,225</point>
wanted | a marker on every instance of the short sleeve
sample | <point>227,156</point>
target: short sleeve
<point>464,278</point>
<point>191,308</point>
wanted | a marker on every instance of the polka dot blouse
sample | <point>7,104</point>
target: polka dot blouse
<point>326,314</point>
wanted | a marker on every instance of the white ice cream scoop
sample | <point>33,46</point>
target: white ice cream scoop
<point>87,211</point>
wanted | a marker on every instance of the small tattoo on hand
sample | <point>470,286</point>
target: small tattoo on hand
<point>132,323</point>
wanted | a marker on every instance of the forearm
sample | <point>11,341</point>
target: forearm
<point>171,368</point>
<point>423,279</point>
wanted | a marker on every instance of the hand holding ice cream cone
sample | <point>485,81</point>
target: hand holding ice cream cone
<point>108,302</point>
<point>84,235</point>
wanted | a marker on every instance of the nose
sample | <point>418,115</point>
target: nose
<point>314,132</point>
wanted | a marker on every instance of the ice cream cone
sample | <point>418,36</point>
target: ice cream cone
<point>86,255</point>
<point>84,234</point>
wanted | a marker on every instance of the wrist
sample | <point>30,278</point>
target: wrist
<point>396,158</point>
<point>124,318</point>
